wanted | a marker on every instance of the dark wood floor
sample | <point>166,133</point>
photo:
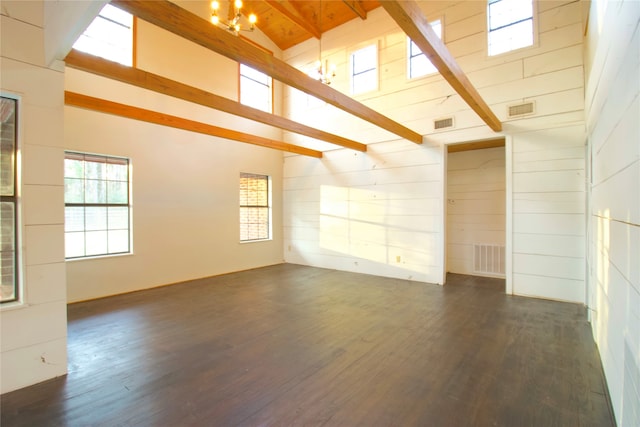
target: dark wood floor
<point>293,345</point>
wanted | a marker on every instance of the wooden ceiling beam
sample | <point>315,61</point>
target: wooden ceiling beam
<point>149,116</point>
<point>173,18</point>
<point>289,11</point>
<point>140,78</point>
<point>410,18</point>
<point>356,7</point>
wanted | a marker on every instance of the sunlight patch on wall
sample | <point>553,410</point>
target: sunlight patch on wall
<point>378,228</point>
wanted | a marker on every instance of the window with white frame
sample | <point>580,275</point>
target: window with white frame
<point>510,25</point>
<point>255,89</point>
<point>8,200</point>
<point>418,64</point>
<point>255,207</point>
<point>110,36</point>
<point>364,69</point>
<point>97,205</point>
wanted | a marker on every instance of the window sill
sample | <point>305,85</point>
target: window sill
<point>244,242</point>
<point>95,257</point>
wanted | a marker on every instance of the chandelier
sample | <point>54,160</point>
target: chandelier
<point>322,72</point>
<point>234,24</point>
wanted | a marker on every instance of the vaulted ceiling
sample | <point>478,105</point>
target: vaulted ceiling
<point>286,22</point>
<point>289,22</point>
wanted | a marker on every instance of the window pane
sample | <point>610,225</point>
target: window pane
<point>365,82</point>
<point>365,59</point>
<point>7,271</point>
<point>7,251</point>
<point>95,218</point>
<point>117,170</point>
<point>95,191</point>
<point>118,241</point>
<point>506,12</point>
<point>7,146</point>
<point>96,243</point>
<point>255,95</point>
<point>255,75</point>
<point>117,192</point>
<point>73,190</point>
<point>74,168</point>
<point>419,64</point>
<point>7,226</point>
<point>117,15</point>
<point>118,218</point>
<point>73,218</point>
<point>95,168</point>
<point>110,36</point>
<point>510,38</point>
<point>74,244</point>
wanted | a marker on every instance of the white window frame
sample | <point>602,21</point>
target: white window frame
<point>246,236</point>
<point>257,79</point>
<point>108,159</point>
<point>18,288</point>
<point>110,36</point>
<point>375,70</point>
<point>412,57</point>
<point>510,25</point>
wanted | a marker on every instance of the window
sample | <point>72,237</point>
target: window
<point>510,25</point>
<point>364,70</point>
<point>97,205</point>
<point>418,63</point>
<point>255,89</point>
<point>110,36</point>
<point>8,200</point>
<point>255,207</point>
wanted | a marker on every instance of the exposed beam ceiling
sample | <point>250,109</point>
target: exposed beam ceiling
<point>181,22</point>
<point>289,11</point>
<point>123,110</point>
<point>133,76</point>
<point>410,18</point>
<point>356,7</point>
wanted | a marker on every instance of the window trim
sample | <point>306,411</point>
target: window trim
<point>534,29</point>
<point>358,48</point>
<point>18,299</point>
<point>269,207</point>
<point>129,206</point>
<point>409,57</point>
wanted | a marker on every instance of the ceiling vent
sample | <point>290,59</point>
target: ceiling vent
<point>519,110</point>
<point>443,123</point>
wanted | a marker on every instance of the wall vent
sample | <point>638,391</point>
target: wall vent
<point>521,109</point>
<point>443,123</point>
<point>488,259</point>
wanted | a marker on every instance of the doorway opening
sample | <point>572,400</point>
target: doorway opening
<point>476,209</point>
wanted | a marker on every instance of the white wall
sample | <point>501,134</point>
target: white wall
<point>549,213</point>
<point>550,74</point>
<point>185,191</point>
<point>33,344</point>
<point>476,206</point>
<point>613,113</point>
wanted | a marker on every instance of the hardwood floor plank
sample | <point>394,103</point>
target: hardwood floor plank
<point>295,345</point>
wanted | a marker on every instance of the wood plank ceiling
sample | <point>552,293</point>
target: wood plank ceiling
<point>289,22</point>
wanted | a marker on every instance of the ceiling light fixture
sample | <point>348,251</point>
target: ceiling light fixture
<point>322,72</point>
<point>234,24</point>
